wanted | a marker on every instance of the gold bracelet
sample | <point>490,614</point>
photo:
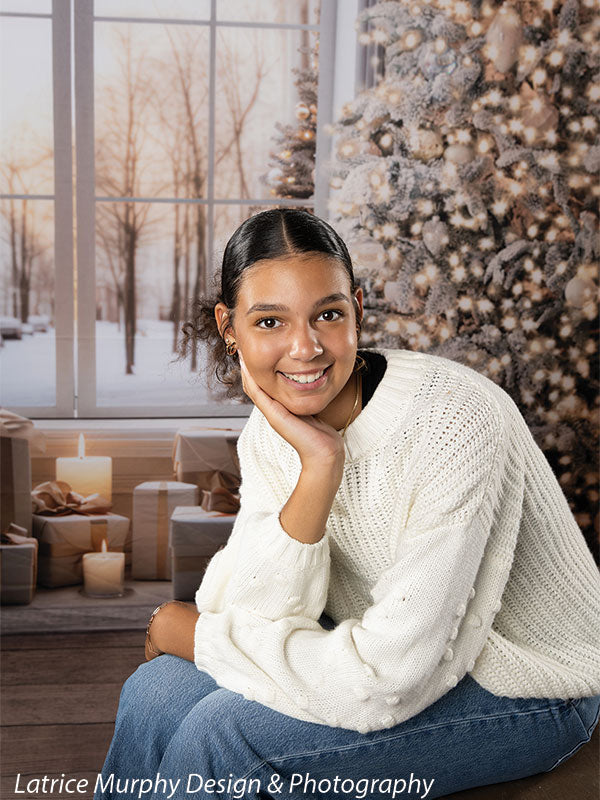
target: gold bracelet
<point>149,644</point>
<point>154,613</point>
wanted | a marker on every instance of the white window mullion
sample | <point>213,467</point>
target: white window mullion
<point>210,184</point>
<point>327,42</point>
<point>86,212</point>
<point>63,208</point>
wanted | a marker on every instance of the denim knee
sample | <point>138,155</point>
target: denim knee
<point>152,686</point>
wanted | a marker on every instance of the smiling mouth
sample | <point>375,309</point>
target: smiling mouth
<point>306,380</point>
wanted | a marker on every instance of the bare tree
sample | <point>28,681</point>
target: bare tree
<point>186,68</point>
<point>240,102</point>
<point>120,165</point>
<point>176,112</point>
<point>26,234</point>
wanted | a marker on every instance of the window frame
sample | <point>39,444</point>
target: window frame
<point>72,25</point>
<point>64,379</point>
<point>84,19</point>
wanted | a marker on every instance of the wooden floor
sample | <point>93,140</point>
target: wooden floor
<point>60,698</point>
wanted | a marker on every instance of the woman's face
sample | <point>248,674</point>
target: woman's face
<point>286,322</point>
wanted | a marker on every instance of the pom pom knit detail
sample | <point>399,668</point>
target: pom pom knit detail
<point>443,488</point>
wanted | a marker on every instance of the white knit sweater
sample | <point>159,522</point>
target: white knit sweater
<point>450,548</point>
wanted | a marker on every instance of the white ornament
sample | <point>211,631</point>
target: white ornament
<point>425,144</point>
<point>435,236</point>
<point>274,175</point>
<point>504,38</point>
<point>579,291</point>
<point>459,153</point>
<point>368,254</point>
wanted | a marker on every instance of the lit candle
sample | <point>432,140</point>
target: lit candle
<point>86,474</point>
<point>103,573</point>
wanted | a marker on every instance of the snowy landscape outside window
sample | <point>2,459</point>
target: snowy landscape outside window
<point>176,105</point>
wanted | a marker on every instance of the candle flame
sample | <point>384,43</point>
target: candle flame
<point>81,446</point>
<point>104,546</point>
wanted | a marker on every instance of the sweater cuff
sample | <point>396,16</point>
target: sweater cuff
<point>275,544</point>
<point>276,575</point>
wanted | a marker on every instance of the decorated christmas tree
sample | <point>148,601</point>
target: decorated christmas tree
<point>292,172</point>
<point>466,184</point>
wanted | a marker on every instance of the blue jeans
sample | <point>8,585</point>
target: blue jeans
<point>176,730</point>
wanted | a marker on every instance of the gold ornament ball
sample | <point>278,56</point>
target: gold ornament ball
<point>302,111</point>
<point>578,291</point>
<point>425,144</point>
<point>459,153</point>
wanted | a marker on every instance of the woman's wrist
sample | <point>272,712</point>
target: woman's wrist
<point>151,645</point>
<point>328,471</point>
<point>171,629</point>
<point>304,516</point>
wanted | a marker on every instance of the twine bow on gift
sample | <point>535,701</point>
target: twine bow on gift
<point>12,426</point>
<point>220,499</point>
<point>56,498</point>
<point>15,534</point>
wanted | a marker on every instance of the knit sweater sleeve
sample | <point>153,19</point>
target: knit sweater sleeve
<point>262,569</point>
<point>410,646</point>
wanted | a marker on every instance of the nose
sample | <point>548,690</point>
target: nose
<point>304,343</point>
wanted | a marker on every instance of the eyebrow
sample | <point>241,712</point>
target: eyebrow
<point>331,298</point>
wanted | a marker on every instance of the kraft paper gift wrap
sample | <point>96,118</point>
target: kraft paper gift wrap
<point>63,541</point>
<point>18,566</point>
<point>195,536</point>
<point>153,504</point>
<point>199,452</point>
<point>17,434</point>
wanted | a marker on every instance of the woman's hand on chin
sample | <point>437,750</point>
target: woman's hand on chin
<point>316,442</point>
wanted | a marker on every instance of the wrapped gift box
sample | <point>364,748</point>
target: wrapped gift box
<point>18,567</point>
<point>153,504</point>
<point>64,539</point>
<point>199,453</point>
<point>195,536</point>
<point>15,487</point>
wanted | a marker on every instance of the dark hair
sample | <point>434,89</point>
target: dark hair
<point>274,234</point>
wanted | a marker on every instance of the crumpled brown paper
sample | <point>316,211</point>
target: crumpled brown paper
<point>14,426</point>
<point>56,498</point>
<point>220,499</point>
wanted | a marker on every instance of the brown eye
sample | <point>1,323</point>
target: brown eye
<point>332,311</point>
<point>267,319</point>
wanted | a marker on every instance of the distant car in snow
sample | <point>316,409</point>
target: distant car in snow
<point>40,322</point>
<point>11,328</point>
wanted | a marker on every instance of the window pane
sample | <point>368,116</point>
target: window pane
<point>148,267</point>
<point>151,110</point>
<point>255,90</point>
<point>26,133</point>
<point>303,12</point>
<point>27,6</point>
<point>168,9</point>
<point>27,354</point>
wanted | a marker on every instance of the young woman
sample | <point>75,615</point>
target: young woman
<point>402,494</point>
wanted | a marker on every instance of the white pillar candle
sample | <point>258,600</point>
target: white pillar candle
<point>86,474</point>
<point>103,573</point>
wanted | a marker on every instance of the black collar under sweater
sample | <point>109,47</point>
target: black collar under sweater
<point>376,366</point>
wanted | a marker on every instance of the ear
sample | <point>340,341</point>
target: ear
<point>358,303</point>
<point>222,314</point>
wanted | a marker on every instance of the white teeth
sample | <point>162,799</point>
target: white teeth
<point>305,378</point>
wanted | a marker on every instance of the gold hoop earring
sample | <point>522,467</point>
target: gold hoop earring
<point>231,348</point>
<point>359,364</point>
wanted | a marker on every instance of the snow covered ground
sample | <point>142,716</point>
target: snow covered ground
<point>28,370</point>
